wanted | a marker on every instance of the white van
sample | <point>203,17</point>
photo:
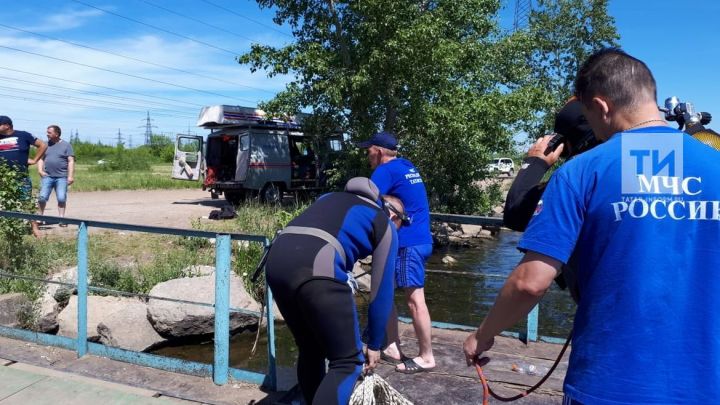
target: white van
<point>247,153</point>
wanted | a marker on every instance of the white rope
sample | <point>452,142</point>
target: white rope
<point>374,390</point>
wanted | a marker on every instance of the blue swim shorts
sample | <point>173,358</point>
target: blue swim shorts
<point>410,266</point>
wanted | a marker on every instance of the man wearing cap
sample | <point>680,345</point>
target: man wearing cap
<point>15,151</point>
<point>398,177</point>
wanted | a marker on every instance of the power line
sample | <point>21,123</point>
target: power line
<point>42,93</point>
<point>158,28</point>
<point>102,87</point>
<point>197,21</point>
<point>80,105</point>
<point>247,18</point>
<point>124,74</point>
<point>14,79</point>
<point>133,58</point>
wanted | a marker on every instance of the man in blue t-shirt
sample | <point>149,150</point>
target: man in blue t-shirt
<point>15,151</point>
<point>398,177</point>
<point>641,216</point>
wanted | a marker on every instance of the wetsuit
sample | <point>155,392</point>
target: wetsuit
<point>307,270</point>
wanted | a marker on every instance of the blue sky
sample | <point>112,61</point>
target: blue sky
<point>172,65</point>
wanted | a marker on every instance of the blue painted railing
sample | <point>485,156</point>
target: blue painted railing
<point>220,370</point>
<point>531,329</point>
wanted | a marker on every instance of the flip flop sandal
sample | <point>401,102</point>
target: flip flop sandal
<point>411,367</point>
<point>387,359</point>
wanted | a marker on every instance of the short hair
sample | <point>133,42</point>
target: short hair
<point>622,79</point>
<point>56,129</point>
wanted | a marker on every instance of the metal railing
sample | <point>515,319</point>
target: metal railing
<point>531,329</point>
<point>220,369</point>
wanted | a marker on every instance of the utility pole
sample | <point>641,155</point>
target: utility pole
<point>148,129</point>
<point>130,141</point>
<point>119,138</point>
<point>523,8</point>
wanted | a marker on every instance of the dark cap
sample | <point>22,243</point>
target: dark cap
<point>571,123</point>
<point>4,119</point>
<point>382,139</point>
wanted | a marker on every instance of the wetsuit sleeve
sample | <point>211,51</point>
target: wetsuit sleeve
<point>382,286</point>
<point>524,194</point>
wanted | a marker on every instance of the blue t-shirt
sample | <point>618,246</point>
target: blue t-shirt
<point>641,213</point>
<point>15,149</point>
<point>401,179</point>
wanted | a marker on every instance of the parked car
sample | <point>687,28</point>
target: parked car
<point>502,166</point>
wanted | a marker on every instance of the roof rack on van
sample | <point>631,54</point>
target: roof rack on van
<point>218,116</point>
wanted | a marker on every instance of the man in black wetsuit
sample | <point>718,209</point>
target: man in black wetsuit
<point>309,271</point>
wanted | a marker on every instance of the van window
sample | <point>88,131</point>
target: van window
<point>244,143</point>
<point>189,145</point>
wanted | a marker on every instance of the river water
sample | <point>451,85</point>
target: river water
<point>460,293</point>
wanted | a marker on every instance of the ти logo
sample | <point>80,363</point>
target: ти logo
<point>653,164</point>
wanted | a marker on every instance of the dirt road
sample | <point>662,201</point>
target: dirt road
<point>171,208</point>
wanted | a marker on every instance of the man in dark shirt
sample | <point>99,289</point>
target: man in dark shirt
<point>15,151</point>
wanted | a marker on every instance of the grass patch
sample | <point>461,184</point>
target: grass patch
<point>136,262</point>
<point>154,178</point>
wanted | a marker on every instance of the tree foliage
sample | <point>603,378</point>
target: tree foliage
<point>565,33</point>
<point>441,74</point>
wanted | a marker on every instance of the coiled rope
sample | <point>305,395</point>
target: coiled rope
<point>374,390</point>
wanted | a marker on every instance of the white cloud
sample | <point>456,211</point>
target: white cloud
<point>99,120</point>
<point>65,21</point>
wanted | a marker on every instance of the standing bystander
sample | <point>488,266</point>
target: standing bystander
<point>398,177</point>
<point>15,150</point>
<point>57,169</point>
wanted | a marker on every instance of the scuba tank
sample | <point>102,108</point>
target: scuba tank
<point>690,121</point>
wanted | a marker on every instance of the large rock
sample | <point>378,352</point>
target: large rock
<point>130,328</point>
<point>12,307</point>
<point>471,230</point>
<point>54,298</point>
<point>178,320</point>
<point>48,310</point>
<point>99,309</point>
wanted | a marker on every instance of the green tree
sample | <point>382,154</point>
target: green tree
<point>565,33</point>
<point>441,74</point>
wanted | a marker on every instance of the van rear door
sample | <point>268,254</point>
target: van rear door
<point>188,157</point>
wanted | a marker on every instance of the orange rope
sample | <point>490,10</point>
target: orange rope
<point>487,391</point>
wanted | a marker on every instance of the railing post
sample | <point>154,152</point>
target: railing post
<point>222,309</point>
<point>532,324</point>
<point>82,287</point>
<point>272,367</point>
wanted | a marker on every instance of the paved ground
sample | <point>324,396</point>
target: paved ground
<point>26,384</point>
<point>169,208</point>
<point>95,380</point>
